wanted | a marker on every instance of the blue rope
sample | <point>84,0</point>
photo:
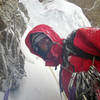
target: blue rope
<point>72,94</point>
<point>6,94</point>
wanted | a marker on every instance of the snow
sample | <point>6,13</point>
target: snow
<point>63,17</point>
<point>37,86</point>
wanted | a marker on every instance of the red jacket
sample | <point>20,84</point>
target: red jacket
<point>87,39</point>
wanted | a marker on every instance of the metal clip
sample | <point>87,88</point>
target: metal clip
<point>71,81</point>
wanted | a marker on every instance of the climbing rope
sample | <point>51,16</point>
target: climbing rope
<point>63,93</point>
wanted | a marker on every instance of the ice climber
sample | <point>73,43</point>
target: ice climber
<point>78,55</point>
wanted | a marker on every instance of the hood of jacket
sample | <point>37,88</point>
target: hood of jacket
<point>56,50</point>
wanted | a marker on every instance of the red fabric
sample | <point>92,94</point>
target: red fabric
<point>66,75</point>
<point>55,56</point>
<point>98,94</point>
<point>87,39</point>
<point>56,50</point>
<point>82,64</point>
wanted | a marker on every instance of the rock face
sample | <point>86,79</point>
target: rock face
<point>12,26</point>
<point>91,9</point>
